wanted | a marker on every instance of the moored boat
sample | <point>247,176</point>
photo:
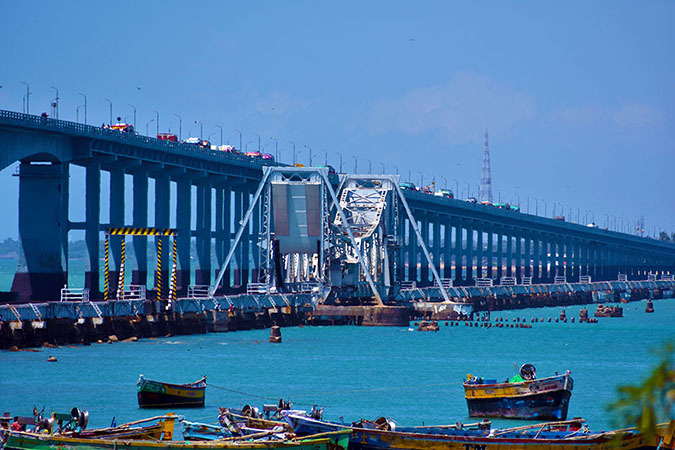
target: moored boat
<point>561,435</point>
<point>157,394</point>
<point>521,397</point>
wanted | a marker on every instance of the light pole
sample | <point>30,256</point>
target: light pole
<point>221,134</point>
<point>276,148</point>
<point>468,189</point>
<point>180,126</point>
<point>340,154</point>
<point>421,178</point>
<point>56,103</point>
<point>157,114</point>
<point>606,220</point>
<point>545,207</point>
<point>258,142</point>
<point>77,113</point>
<point>445,182</point>
<point>246,149</point>
<point>456,187</point>
<point>201,129</point>
<point>356,164</point>
<point>370,166</point>
<point>294,152</point>
<point>85,107</point>
<point>518,197</point>
<point>396,167</point>
<point>499,195</point>
<point>110,101</point>
<point>528,204</point>
<point>383,168</point>
<point>614,219</point>
<point>134,114</point>
<point>310,154</point>
<point>240,146</point>
<point>27,96</point>
<point>409,176</point>
<point>325,157</point>
<point>147,126</point>
<point>211,134</point>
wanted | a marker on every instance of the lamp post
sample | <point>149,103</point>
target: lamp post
<point>240,146</point>
<point>370,166</point>
<point>258,142</point>
<point>614,220</point>
<point>294,152</point>
<point>456,187</point>
<point>468,189</point>
<point>383,168</point>
<point>56,102</point>
<point>310,154</point>
<point>27,96</point>
<point>221,134</point>
<point>499,195</point>
<point>545,207</point>
<point>201,129</point>
<point>276,148</point>
<point>77,113</point>
<point>147,126</point>
<point>157,115</point>
<point>325,157</point>
<point>421,178</point>
<point>85,107</point>
<point>396,167</point>
<point>409,176</point>
<point>211,134</point>
<point>445,182</point>
<point>246,149</point>
<point>518,197</point>
<point>340,154</point>
<point>180,126</point>
<point>528,203</point>
<point>134,108</point>
<point>110,102</point>
<point>356,164</point>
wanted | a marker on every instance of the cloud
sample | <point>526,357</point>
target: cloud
<point>461,108</point>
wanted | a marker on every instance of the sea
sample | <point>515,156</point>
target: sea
<point>352,372</point>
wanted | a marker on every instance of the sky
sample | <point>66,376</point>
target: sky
<point>578,96</point>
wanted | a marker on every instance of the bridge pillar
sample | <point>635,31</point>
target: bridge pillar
<point>424,265</point>
<point>469,252</point>
<point>255,250</point>
<point>139,275</point>
<point>116,220</point>
<point>436,249</point>
<point>490,251</point>
<point>479,249</point>
<point>509,252</point>
<point>223,228</point>
<point>203,272</point>
<point>184,232</point>
<point>163,220</point>
<point>92,229</point>
<point>43,230</point>
<point>519,254</point>
<point>528,253</point>
<point>447,252</point>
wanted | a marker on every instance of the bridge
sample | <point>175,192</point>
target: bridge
<point>432,241</point>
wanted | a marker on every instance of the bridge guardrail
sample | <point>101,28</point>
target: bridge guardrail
<point>74,294</point>
<point>198,291</point>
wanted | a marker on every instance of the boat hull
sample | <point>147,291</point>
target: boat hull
<point>155,394</point>
<point>540,399</point>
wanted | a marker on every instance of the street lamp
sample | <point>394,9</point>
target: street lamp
<point>240,146</point>
<point>310,154</point>
<point>180,126</point>
<point>157,113</point>
<point>246,149</point>
<point>276,149</point>
<point>396,167</point>
<point>528,204</point>
<point>258,141</point>
<point>56,103</point>
<point>445,182</point>
<point>134,114</point>
<point>77,113</point>
<point>499,195</point>
<point>325,157</point>
<point>211,134</point>
<point>27,96</point>
<point>383,169</point>
<point>201,129</point>
<point>340,154</point>
<point>85,107</point>
<point>221,134</point>
<point>356,164</point>
<point>518,197</point>
<point>468,189</point>
<point>370,166</point>
<point>421,178</point>
<point>147,126</point>
<point>456,187</point>
<point>409,176</point>
<point>545,207</point>
<point>110,101</point>
<point>293,144</point>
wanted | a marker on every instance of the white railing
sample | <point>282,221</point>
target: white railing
<point>622,277</point>
<point>508,281</point>
<point>98,311</point>
<point>484,282</point>
<point>196,291</point>
<point>308,287</point>
<point>408,285</point>
<point>257,288</point>
<point>14,311</point>
<point>133,292</point>
<point>670,277</point>
<point>445,282</point>
<point>651,277</point>
<point>526,281</point>
<point>36,311</point>
<point>559,279</point>
<point>585,279</point>
<point>74,295</point>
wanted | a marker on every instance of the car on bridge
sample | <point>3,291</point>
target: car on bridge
<point>228,149</point>
<point>123,127</point>
<point>406,186</point>
<point>447,193</point>
<point>267,156</point>
<point>253,154</point>
<point>472,200</point>
<point>169,137</point>
<point>203,143</point>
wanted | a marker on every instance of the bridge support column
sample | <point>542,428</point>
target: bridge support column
<point>116,220</point>
<point>509,253</point>
<point>92,229</point>
<point>162,220</point>
<point>43,230</point>
<point>469,252</point>
<point>489,255</point>
<point>139,275</point>
<point>223,228</point>
<point>203,272</point>
<point>436,249</point>
<point>184,230</point>
<point>519,254</point>
<point>447,252</point>
<point>528,254</point>
<point>419,254</point>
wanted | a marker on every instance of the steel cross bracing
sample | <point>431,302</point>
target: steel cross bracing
<point>363,208</point>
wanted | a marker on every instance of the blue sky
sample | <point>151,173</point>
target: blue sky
<point>578,96</point>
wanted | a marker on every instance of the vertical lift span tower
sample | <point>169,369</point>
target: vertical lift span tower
<point>342,244</point>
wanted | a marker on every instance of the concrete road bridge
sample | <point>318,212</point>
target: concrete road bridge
<point>468,243</point>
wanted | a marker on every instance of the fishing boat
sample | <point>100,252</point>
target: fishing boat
<point>157,394</point>
<point>520,397</point>
<point>32,441</point>
<point>562,435</point>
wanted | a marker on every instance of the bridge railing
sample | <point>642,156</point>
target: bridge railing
<point>508,281</point>
<point>670,277</point>
<point>196,291</point>
<point>408,285</point>
<point>586,279</point>
<point>526,281</point>
<point>74,294</point>
<point>445,282</point>
<point>484,282</point>
<point>257,288</point>
<point>133,292</point>
<point>622,277</point>
<point>559,279</point>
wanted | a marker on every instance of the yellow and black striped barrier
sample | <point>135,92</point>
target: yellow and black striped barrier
<point>106,286</point>
<point>158,274</point>
<point>131,231</point>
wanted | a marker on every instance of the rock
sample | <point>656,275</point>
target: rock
<point>13,348</point>
<point>113,338</point>
<point>131,339</point>
<point>52,359</point>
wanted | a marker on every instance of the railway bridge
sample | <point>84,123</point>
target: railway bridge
<point>204,194</point>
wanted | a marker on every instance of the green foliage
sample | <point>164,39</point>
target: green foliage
<point>651,402</point>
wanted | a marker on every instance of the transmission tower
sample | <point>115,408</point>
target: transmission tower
<point>486,178</point>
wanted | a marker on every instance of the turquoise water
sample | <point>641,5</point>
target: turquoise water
<point>353,371</point>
